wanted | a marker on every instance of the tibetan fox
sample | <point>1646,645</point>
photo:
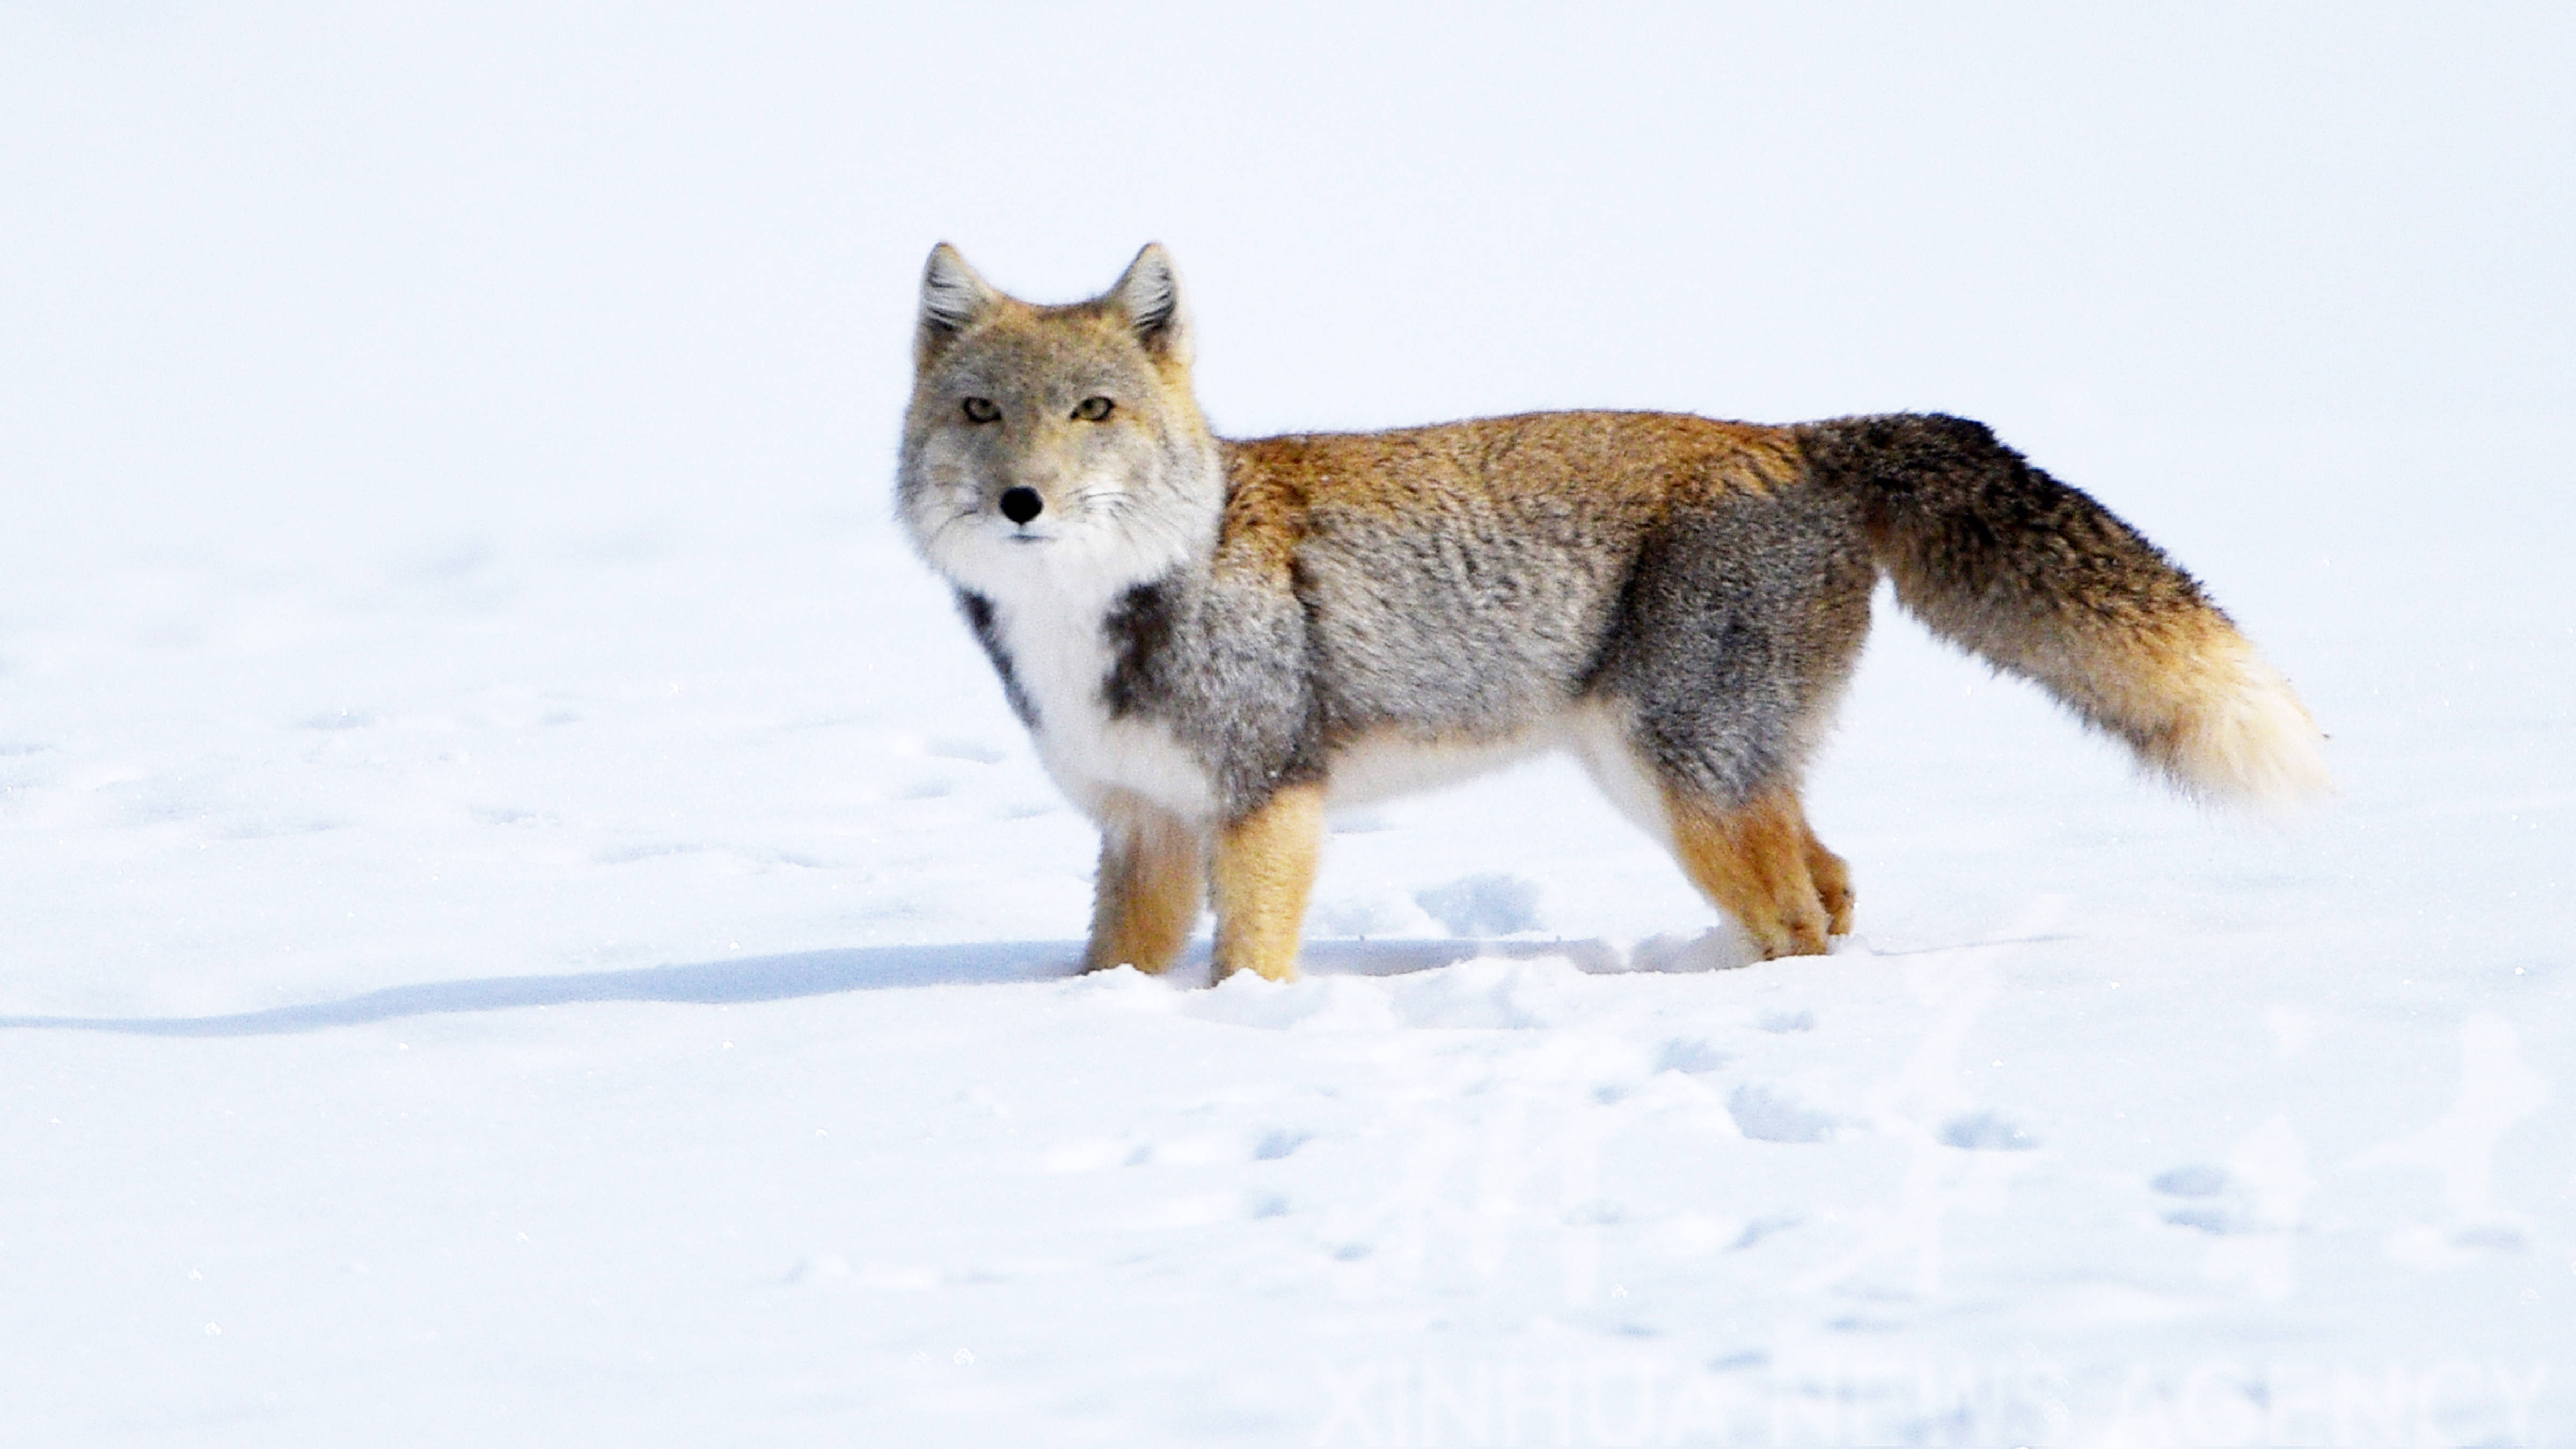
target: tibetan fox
<point>1210,638</point>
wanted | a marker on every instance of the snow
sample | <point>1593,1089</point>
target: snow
<point>528,920</point>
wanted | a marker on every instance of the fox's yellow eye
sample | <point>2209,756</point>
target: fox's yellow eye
<point>1094,409</point>
<point>981,410</point>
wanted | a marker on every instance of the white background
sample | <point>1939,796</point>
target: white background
<point>523,918</point>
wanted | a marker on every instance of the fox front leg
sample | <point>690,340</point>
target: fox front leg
<point>1153,875</point>
<point>1265,867</point>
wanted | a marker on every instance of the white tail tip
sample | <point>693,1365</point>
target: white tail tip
<point>2249,742</point>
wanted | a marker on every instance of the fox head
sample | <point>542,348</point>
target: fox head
<point>1055,447</point>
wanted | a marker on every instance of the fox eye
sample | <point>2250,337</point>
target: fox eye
<point>1095,409</point>
<point>981,410</point>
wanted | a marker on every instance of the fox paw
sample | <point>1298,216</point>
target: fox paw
<point>1802,934</point>
<point>1833,888</point>
<point>1836,898</point>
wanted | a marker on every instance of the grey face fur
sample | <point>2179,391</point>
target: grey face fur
<point>1009,397</point>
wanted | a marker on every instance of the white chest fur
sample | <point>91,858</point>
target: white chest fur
<point>1060,654</point>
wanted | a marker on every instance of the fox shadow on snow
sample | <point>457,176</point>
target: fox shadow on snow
<point>867,968</point>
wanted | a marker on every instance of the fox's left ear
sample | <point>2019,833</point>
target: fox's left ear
<point>1150,295</point>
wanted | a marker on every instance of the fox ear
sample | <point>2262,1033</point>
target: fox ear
<point>1150,295</point>
<point>952,297</point>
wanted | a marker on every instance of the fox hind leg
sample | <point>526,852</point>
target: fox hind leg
<point>1832,875</point>
<point>1153,879</point>
<point>1761,864</point>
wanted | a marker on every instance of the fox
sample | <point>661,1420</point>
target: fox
<point>1212,641</point>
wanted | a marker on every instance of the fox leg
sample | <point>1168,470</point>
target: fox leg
<point>1265,865</point>
<point>1833,880</point>
<point>1153,876</point>
<point>1758,861</point>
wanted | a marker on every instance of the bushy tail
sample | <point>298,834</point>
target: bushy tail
<point>2041,581</point>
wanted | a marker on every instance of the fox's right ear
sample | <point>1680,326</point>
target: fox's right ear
<point>952,297</point>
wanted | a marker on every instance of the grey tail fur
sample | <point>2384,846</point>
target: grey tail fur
<point>2039,580</point>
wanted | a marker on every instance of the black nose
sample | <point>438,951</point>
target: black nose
<point>1022,504</point>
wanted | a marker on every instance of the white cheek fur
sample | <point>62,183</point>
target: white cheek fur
<point>1096,538</point>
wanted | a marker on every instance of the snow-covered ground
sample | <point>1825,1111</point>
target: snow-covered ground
<point>524,918</point>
